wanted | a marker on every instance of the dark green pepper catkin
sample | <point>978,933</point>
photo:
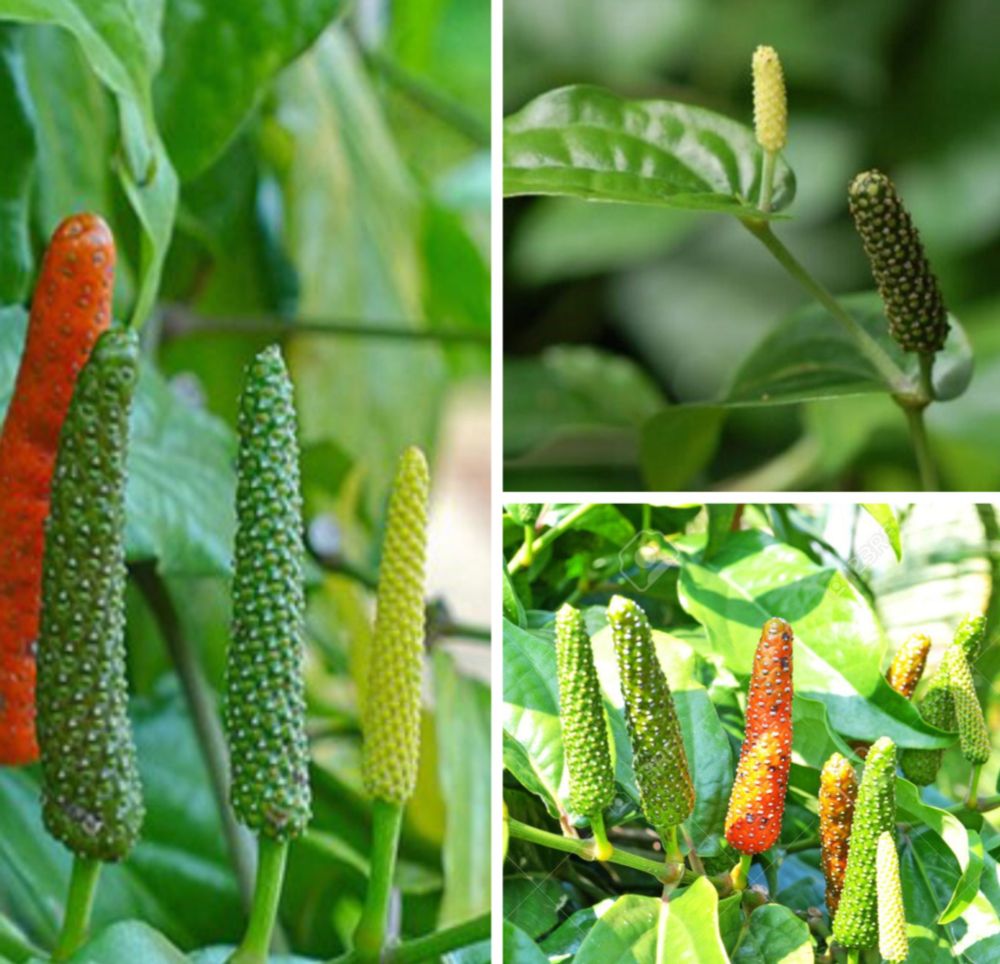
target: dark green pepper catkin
<point>913,302</point>
<point>265,701</point>
<point>91,794</point>
<point>659,758</point>
<point>581,711</point>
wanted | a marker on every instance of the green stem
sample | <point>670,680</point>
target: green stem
<point>973,796</point>
<point>430,946</point>
<point>602,847</point>
<point>796,846</point>
<point>767,181</point>
<point>661,927</point>
<point>696,865</point>
<point>529,545</point>
<point>369,937</point>
<point>547,537</point>
<point>79,903</point>
<point>671,848</point>
<point>585,849</point>
<point>741,876</point>
<point>927,375</point>
<point>256,944</point>
<point>853,955</point>
<point>921,449</point>
<point>893,376</point>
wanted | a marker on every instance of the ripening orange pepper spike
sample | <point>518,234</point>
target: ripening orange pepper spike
<point>757,801</point>
<point>838,789</point>
<point>908,664</point>
<point>71,307</point>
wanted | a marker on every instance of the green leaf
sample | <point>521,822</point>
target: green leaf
<point>533,902</point>
<point>678,442</point>
<point>627,932</point>
<point>965,846</point>
<point>126,943</point>
<point>566,939</point>
<point>810,356</point>
<point>590,143</point>
<point>775,936</point>
<point>463,730</point>
<point>518,948</point>
<point>513,610</point>
<point>838,641</point>
<point>17,134</point>
<point>720,524</point>
<point>222,955</point>
<point>120,50</point>
<point>218,59</point>
<point>352,224</point>
<point>885,516</point>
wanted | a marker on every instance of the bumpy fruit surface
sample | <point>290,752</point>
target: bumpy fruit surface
<point>910,294</point>
<point>391,716</point>
<point>581,710</point>
<point>91,794</point>
<point>757,801</point>
<point>770,101</point>
<point>70,309</point>
<point>856,921</point>
<point>908,664</point>
<point>659,759</point>
<point>265,700</point>
<point>838,790</point>
<point>973,733</point>
<point>970,634</point>
<point>524,513</point>
<point>892,943</point>
<point>936,707</point>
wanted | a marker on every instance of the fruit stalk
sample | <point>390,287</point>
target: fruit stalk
<point>757,801</point>
<point>70,309</point>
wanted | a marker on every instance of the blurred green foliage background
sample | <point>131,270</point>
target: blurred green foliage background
<point>680,299</point>
<point>315,173</point>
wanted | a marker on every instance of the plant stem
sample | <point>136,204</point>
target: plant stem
<point>548,536</point>
<point>853,956</point>
<point>671,848</point>
<point>369,937</point>
<point>741,876</point>
<point>696,865</point>
<point>767,181</point>
<point>585,849</point>
<point>602,846</point>
<point>972,799</point>
<point>927,375</point>
<point>431,946</point>
<point>79,903</point>
<point>529,545</point>
<point>921,449</point>
<point>256,944</point>
<point>893,376</point>
<point>661,926</point>
<point>204,716</point>
<point>796,846</point>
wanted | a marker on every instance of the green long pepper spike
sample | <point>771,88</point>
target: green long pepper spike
<point>584,725</point>
<point>910,293</point>
<point>970,634</point>
<point>91,793</point>
<point>659,758</point>
<point>936,707</point>
<point>265,694</point>
<point>973,734</point>
<point>892,941</point>
<point>391,717</point>
<point>856,922</point>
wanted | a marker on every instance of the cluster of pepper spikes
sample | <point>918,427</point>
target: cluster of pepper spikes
<point>859,857</point>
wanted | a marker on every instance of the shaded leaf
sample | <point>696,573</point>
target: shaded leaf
<point>775,936</point>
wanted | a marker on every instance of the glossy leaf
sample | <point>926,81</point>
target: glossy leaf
<point>218,60</point>
<point>518,948</point>
<point>885,516</point>
<point>838,642</point>
<point>590,143</point>
<point>627,932</point>
<point>775,936</point>
<point>810,356</point>
<point>127,942</point>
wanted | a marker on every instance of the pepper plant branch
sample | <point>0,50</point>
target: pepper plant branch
<point>921,449</point>
<point>204,717</point>
<point>79,903</point>
<point>430,946</point>
<point>179,321</point>
<point>893,376</point>
<point>520,559</point>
